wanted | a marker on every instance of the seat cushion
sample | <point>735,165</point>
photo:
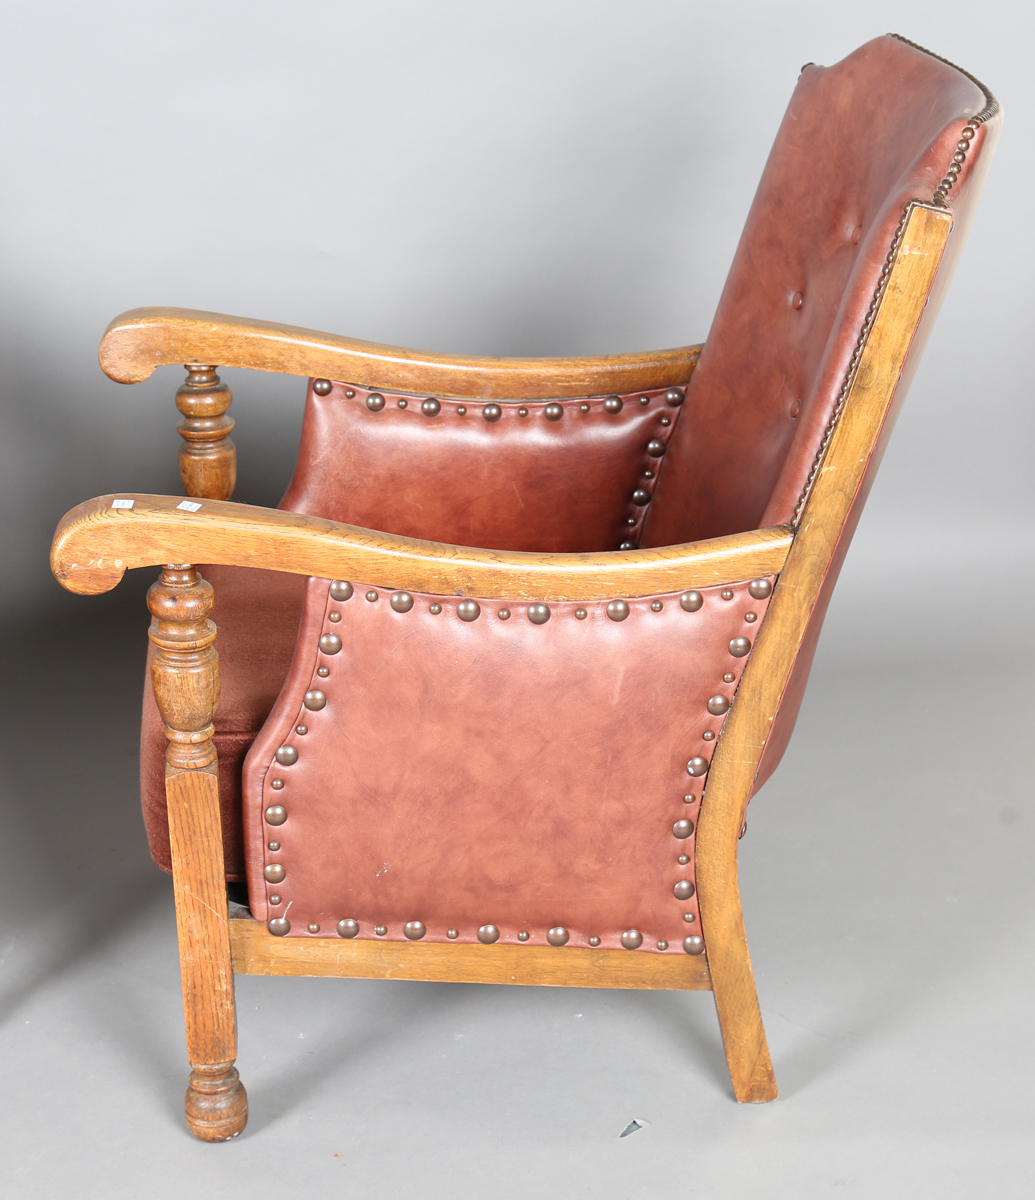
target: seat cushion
<point>257,615</point>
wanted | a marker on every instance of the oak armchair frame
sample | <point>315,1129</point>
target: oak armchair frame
<point>96,542</point>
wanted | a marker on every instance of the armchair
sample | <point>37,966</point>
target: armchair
<point>559,615</point>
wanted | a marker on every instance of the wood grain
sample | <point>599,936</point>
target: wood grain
<point>142,339</point>
<point>743,738</point>
<point>208,459</point>
<point>185,674</point>
<point>257,952</point>
<point>95,544</point>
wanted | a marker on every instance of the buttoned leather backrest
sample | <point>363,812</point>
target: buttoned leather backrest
<point>859,140</point>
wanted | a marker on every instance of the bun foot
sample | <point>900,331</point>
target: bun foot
<point>216,1103</point>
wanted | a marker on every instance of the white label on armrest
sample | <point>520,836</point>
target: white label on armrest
<point>188,506</point>
<point>122,504</point>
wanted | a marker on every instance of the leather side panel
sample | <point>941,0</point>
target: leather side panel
<point>520,481</point>
<point>492,771</point>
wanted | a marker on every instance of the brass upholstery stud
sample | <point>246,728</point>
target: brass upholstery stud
<point>655,448</point>
<point>594,941</point>
<point>750,617</point>
<point>641,496</point>
<point>401,602</point>
<point>662,945</point>
<point>273,846</point>
<point>301,730</point>
<point>728,677</point>
<point>657,605</point>
<point>739,646</point>
<point>468,610</point>
<point>452,934</point>
<point>402,403</point>
<point>666,421</point>
<point>645,400</point>
<point>274,873</point>
<point>504,614</point>
<point>691,601</point>
<point>627,546</point>
<point>538,614</point>
<point>461,410</point>
<point>488,934</point>
<point>799,300</point>
<point>322,387</point>
<point>277,784</point>
<point>631,520</point>
<point>348,928</point>
<point>435,609</point>
<point>341,590</point>
<point>375,402</point>
<point>675,397</point>
<point>727,594</point>
<point>380,930</point>
<point>717,705</point>
<point>693,944</point>
<point>279,926</point>
<point>613,404</point>
<point>648,474</point>
<point>523,935</point>
<point>553,412</point>
<point>558,936</point>
<point>334,616</point>
<point>330,643</point>
<point>414,930</point>
<point>617,610</point>
<point>689,918</point>
<point>287,756</point>
<point>350,392</point>
<point>683,829</point>
<point>683,859</point>
<point>584,408</point>
<point>274,900</point>
<point>431,407</point>
<point>683,890</point>
<point>632,939</point>
<point>580,614</point>
<point>522,411</point>
<point>323,672</point>
<point>313,927</point>
<point>697,766</point>
<point>708,735</point>
<point>492,412</point>
<point>689,798</point>
<point>371,596</point>
<point>315,700</point>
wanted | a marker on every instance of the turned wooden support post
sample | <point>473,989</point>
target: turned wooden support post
<point>208,458</point>
<point>185,675</point>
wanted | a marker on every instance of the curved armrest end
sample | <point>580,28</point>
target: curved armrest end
<point>77,554</point>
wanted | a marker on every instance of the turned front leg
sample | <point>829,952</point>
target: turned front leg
<point>185,675</point>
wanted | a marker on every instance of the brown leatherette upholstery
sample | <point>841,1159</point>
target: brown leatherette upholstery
<point>516,481</point>
<point>963,202</point>
<point>860,140</point>
<point>526,479</point>
<point>463,773</point>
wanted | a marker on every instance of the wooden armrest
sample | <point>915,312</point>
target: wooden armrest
<point>144,338</point>
<point>96,542</point>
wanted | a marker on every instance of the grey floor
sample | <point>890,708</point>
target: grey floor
<point>888,888</point>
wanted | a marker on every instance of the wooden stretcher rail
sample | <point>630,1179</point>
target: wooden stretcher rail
<point>144,338</point>
<point>256,951</point>
<point>98,541</point>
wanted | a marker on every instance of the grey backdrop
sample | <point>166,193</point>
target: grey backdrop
<point>517,178</point>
